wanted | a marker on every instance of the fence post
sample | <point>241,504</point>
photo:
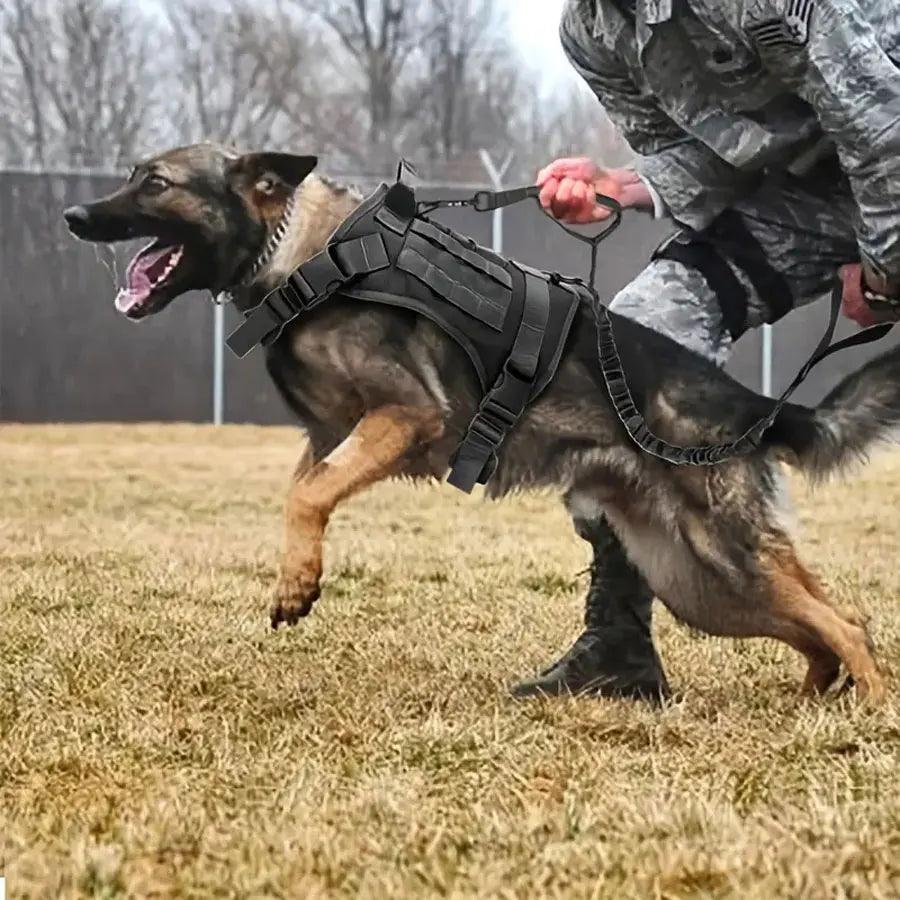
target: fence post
<point>219,364</point>
<point>496,176</point>
<point>767,360</point>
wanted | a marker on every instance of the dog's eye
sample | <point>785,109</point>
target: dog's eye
<point>265,185</point>
<point>155,183</point>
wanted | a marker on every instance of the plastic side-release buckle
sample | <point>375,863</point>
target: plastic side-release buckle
<point>316,278</point>
<point>475,461</point>
<point>263,324</point>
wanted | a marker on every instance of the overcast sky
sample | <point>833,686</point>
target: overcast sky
<point>534,26</point>
<point>535,29</point>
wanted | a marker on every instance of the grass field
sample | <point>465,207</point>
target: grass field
<point>156,739</point>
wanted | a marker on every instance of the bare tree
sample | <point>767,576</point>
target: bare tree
<point>95,83</point>
<point>23,128</point>
<point>375,40</point>
<point>75,78</point>
<point>460,29</point>
<point>577,125</point>
<point>237,68</point>
<point>474,90</point>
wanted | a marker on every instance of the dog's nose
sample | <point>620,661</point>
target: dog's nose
<point>75,216</point>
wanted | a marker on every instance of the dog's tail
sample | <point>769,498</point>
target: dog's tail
<point>861,412</point>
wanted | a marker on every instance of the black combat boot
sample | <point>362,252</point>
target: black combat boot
<point>615,656</point>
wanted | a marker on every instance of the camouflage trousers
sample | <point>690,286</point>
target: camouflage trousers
<point>805,228</point>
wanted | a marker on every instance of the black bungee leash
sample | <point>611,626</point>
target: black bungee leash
<point>610,361</point>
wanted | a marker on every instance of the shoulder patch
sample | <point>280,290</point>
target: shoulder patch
<point>790,29</point>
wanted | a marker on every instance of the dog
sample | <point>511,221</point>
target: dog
<point>383,392</point>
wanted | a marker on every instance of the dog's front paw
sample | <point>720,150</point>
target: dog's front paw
<point>294,599</point>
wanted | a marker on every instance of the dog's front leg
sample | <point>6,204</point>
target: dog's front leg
<point>371,452</point>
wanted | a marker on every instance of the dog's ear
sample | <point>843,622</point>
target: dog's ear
<point>266,170</point>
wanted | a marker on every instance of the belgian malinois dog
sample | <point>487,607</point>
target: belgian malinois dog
<point>383,392</point>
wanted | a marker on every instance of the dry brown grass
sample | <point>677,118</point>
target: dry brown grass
<point>157,740</point>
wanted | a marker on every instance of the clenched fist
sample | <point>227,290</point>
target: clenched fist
<point>569,189</point>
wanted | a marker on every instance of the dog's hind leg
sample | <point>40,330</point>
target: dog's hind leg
<point>372,451</point>
<point>742,578</point>
<point>803,617</point>
<point>824,663</point>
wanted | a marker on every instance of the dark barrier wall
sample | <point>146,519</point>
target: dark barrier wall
<point>67,355</point>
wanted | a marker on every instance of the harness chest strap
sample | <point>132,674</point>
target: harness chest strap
<point>306,287</point>
<point>476,458</point>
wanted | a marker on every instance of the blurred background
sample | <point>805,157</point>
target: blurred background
<point>473,92</point>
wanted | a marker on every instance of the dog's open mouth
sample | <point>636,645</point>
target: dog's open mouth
<point>151,271</point>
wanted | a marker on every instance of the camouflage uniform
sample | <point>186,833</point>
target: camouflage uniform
<point>733,105</point>
<point>784,111</point>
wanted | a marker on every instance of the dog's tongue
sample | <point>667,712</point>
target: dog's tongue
<point>147,270</point>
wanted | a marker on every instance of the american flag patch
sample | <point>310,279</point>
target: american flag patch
<point>790,30</point>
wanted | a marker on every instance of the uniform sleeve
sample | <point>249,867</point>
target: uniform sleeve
<point>828,53</point>
<point>695,185</point>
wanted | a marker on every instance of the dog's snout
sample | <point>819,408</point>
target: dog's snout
<point>77,218</point>
<point>100,221</point>
<point>76,215</point>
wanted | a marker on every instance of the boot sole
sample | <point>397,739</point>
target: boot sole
<point>655,693</point>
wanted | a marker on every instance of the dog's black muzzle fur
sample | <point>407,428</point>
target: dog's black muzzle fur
<point>108,221</point>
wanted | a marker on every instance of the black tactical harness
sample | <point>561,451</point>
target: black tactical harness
<point>511,320</point>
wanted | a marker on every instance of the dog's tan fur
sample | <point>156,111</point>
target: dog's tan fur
<point>370,453</point>
<point>319,207</point>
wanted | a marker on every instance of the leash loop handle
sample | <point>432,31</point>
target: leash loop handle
<point>488,201</point>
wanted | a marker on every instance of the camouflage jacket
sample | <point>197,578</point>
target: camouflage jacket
<point>710,95</point>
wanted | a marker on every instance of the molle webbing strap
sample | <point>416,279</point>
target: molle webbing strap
<point>463,291</point>
<point>456,248</point>
<point>393,222</point>
<point>476,458</point>
<point>307,286</point>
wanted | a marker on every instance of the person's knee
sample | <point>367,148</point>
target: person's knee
<point>675,300</point>
<point>632,303</point>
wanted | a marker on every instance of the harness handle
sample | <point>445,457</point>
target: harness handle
<point>488,201</point>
